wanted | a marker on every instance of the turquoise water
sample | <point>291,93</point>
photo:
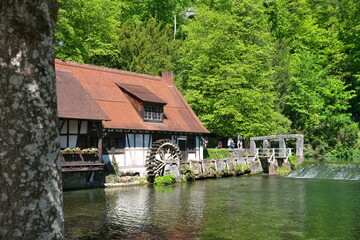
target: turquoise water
<point>246,207</point>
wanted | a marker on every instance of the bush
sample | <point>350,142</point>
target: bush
<point>218,174</point>
<point>188,172</point>
<point>112,178</point>
<point>282,171</point>
<point>242,168</point>
<point>210,153</point>
<point>115,166</point>
<point>292,160</point>
<point>165,180</point>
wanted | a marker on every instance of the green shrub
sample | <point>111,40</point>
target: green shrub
<point>241,168</point>
<point>210,153</point>
<point>232,170</point>
<point>282,171</point>
<point>292,160</point>
<point>112,178</point>
<point>165,180</point>
<point>218,174</point>
<point>189,172</point>
<point>183,178</point>
<point>115,166</point>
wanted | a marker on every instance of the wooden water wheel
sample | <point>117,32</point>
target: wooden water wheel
<point>163,158</point>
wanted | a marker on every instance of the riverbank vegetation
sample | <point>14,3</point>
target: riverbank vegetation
<point>214,153</point>
<point>254,67</point>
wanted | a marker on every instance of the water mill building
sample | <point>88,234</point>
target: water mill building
<point>129,117</point>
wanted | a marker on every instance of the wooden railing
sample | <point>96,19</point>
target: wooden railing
<point>277,152</point>
<point>80,161</point>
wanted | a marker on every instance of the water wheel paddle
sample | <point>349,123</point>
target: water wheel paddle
<point>163,158</point>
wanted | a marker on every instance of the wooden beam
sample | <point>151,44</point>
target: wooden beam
<point>277,137</point>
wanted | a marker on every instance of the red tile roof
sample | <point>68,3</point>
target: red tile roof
<point>141,93</point>
<point>74,101</point>
<point>104,85</point>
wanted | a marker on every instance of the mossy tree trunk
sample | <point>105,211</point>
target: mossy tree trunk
<point>30,181</point>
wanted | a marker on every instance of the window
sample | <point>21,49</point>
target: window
<point>114,141</point>
<point>118,141</point>
<point>157,113</point>
<point>148,113</point>
<point>154,113</point>
<point>192,142</point>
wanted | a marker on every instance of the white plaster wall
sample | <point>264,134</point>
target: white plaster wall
<point>198,144</point>
<point>135,156</point>
<point>120,159</point>
<point>139,157</point>
<point>129,156</point>
<point>192,156</point>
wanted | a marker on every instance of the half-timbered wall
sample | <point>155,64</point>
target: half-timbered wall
<point>77,133</point>
<point>70,130</point>
<point>131,154</point>
<point>136,149</point>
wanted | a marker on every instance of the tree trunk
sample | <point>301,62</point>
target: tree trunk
<point>30,182</point>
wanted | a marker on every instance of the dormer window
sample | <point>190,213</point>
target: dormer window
<point>153,113</point>
<point>148,105</point>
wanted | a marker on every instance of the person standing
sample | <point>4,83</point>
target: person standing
<point>239,141</point>
<point>232,144</point>
<point>204,141</point>
<point>229,142</point>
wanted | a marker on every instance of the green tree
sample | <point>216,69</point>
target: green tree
<point>169,12</point>
<point>348,13</point>
<point>87,29</point>
<point>224,69</point>
<point>145,47</point>
<point>309,71</point>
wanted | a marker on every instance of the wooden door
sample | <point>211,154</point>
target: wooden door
<point>183,148</point>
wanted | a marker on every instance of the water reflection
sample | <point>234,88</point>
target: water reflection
<point>85,214</point>
<point>248,207</point>
<point>156,211</point>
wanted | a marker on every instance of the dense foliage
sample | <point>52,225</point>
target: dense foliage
<point>254,67</point>
<point>165,180</point>
<point>213,153</point>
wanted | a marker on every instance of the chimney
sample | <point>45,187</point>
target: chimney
<point>168,77</point>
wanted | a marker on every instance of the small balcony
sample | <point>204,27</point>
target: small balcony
<point>77,160</point>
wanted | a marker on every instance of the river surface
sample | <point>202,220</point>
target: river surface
<point>246,207</point>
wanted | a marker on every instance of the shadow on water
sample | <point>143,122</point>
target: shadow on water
<point>247,207</point>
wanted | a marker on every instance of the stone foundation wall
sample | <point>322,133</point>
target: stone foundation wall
<point>86,179</point>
